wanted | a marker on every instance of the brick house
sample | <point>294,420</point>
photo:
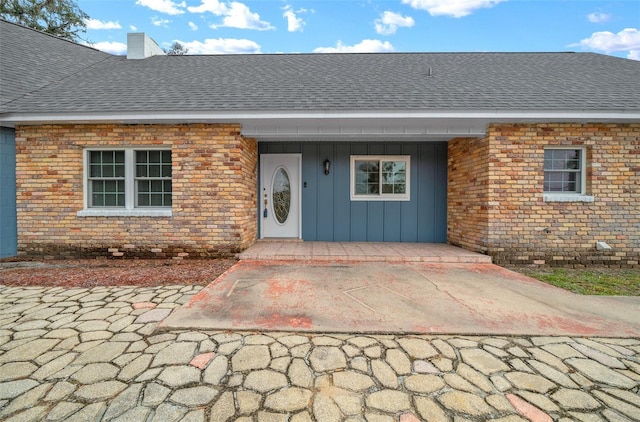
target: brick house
<point>527,157</point>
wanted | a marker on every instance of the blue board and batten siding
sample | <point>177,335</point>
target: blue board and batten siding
<point>8,223</point>
<point>328,214</point>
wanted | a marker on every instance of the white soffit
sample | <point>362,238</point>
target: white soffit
<point>382,127</point>
<point>336,125</point>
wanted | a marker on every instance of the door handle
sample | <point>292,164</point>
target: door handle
<point>265,212</point>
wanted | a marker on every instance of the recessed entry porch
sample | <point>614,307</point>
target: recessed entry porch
<point>354,191</point>
<point>297,250</point>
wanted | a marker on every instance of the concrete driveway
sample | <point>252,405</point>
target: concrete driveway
<point>409,297</point>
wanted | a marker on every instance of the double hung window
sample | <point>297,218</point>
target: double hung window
<point>153,178</point>
<point>128,179</point>
<point>106,179</point>
<point>565,175</point>
<point>380,178</point>
<point>564,170</point>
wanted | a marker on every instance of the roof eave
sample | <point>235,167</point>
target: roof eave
<point>334,124</point>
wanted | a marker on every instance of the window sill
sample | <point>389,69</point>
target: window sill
<point>94,212</point>
<point>381,198</point>
<point>566,197</point>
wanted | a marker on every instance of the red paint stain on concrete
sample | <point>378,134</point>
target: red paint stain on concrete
<point>202,297</point>
<point>551,324</point>
<point>277,288</point>
<point>279,320</point>
<point>528,410</point>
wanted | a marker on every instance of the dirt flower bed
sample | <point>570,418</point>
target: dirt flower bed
<point>111,272</point>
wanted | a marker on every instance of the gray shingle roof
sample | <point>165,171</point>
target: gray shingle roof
<point>523,82</point>
<point>31,60</point>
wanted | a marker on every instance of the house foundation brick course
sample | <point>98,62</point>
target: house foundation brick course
<point>496,205</point>
<point>214,174</point>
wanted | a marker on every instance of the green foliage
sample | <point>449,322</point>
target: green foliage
<point>62,18</point>
<point>592,281</point>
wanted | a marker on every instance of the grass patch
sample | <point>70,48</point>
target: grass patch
<point>591,281</point>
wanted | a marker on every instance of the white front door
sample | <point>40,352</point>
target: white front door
<point>280,195</point>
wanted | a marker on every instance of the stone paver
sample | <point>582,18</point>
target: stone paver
<point>251,357</point>
<point>94,354</point>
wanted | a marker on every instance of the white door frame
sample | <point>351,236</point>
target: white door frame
<point>296,187</point>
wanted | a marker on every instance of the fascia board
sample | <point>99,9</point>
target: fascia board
<point>483,117</point>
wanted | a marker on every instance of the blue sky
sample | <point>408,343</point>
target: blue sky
<point>292,26</point>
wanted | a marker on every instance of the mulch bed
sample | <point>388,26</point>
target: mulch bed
<point>111,272</point>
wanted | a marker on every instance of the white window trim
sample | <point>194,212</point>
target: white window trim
<point>112,212</point>
<point>571,196</point>
<point>567,197</point>
<point>129,209</point>
<point>382,196</point>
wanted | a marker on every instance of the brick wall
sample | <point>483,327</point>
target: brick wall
<point>507,217</point>
<point>468,193</point>
<point>214,192</point>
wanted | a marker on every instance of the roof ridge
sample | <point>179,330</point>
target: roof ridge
<point>379,53</point>
<point>19,25</point>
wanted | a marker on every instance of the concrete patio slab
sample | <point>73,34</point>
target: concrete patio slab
<point>409,297</point>
<point>297,250</point>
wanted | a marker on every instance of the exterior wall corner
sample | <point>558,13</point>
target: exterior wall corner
<point>524,228</point>
<point>468,194</point>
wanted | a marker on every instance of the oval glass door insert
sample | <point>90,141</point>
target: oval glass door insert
<point>281,195</point>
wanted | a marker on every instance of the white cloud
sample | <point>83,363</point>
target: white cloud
<point>294,23</point>
<point>626,40</point>
<point>222,46</point>
<point>212,6</point>
<point>389,23</point>
<point>112,47</point>
<point>366,46</point>
<point>98,24</point>
<point>634,55</point>
<point>239,16</point>
<point>156,21</point>
<point>193,26</point>
<point>235,15</point>
<point>133,27</point>
<point>455,8</point>
<point>164,6</point>
<point>598,17</point>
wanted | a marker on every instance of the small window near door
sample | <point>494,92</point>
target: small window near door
<point>380,178</point>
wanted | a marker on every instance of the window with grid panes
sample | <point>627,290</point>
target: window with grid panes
<point>153,178</point>
<point>564,170</point>
<point>129,179</point>
<point>107,178</point>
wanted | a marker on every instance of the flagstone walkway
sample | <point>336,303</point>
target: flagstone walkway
<point>92,354</point>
